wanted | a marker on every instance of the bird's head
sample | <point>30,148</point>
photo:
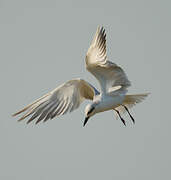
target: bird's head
<point>89,111</point>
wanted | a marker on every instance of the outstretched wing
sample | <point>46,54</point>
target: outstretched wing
<point>61,100</point>
<point>110,76</point>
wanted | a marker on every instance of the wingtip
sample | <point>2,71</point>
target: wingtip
<point>146,94</point>
<point>100,26</point>
<point>97,30</point>
<point>20,119</point>
<point>19,112</point>
<point>28,122</point>
<point>15,114</point>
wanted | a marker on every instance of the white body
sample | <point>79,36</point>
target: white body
<point>108,102</point>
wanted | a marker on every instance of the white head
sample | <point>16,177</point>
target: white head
<point>90,110</point>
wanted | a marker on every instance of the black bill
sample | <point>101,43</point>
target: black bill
<point>85,121</point>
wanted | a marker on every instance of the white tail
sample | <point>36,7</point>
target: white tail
<point>130,101</point>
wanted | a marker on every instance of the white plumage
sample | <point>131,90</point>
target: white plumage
<point>67,97</point>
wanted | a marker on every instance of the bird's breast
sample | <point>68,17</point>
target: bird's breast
<point>110,102</point>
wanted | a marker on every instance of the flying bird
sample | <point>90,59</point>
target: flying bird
<point>68,96</point>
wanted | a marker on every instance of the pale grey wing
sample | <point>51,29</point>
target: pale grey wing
<point>61,100</point>
<point>110,76</point>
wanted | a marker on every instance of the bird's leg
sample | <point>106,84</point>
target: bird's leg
<point>129,113</point>
<point>120,117</point>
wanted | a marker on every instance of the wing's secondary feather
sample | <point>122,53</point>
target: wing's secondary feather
<point>107,73</point>
<point>61,100</point>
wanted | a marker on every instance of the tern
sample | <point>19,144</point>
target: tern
<point>68,96</point>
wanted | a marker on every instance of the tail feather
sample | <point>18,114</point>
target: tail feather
<point>130,101</point>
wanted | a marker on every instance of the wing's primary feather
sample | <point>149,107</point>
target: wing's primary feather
<point>61,100</point>
<point>107,73</point>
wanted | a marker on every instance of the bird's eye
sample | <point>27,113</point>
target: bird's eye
<point>90,110</point>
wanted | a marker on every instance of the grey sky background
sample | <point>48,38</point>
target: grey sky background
<point>38,40</point>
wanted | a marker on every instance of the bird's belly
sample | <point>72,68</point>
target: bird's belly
<point>110,103</point>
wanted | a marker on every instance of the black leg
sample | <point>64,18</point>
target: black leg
<point>129,113</point>
<point>120,117</point>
